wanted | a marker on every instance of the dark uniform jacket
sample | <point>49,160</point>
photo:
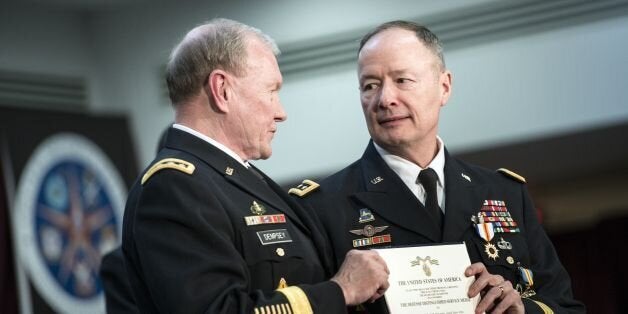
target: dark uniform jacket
<point>369,194</point>
<point>189,247</point>
<point>118,294</point>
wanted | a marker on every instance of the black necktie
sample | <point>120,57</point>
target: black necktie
<point>428,179</point>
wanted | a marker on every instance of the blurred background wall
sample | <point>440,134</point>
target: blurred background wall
<point>539,87</point>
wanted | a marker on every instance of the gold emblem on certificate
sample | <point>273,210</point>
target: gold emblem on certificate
<point>428,279</point>
<point>426,262</point>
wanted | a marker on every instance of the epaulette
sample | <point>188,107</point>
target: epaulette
<point>512,174</point>
<point>304,188</point>
<point>169,163</point>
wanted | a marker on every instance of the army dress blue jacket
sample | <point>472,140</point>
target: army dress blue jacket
<point>366,205</point>
<point>204,234</point>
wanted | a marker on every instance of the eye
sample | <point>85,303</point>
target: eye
<point>368,87</point>
<point>403,80</point>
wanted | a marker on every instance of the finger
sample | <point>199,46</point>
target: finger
<point>380,260</point>
<point>385,286</point>
<point>376,296</point>
<point>490,298</point>
<point>479,284</point>
<point>485,281</point>
<point>474,269</point>
<point>510,301</point>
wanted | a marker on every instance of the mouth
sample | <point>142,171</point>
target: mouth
<point>391,120</point>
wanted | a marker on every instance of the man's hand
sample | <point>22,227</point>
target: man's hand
<point>362,276</point>
<point>498,295</point>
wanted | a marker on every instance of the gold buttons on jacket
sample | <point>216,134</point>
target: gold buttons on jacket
<point>280,252</point>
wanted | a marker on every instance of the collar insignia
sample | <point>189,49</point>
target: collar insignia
<point>229,171</point>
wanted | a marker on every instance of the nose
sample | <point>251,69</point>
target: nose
<point>387,96</point>
<point>280,113</point>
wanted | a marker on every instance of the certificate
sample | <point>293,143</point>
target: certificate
<point>428,279</point>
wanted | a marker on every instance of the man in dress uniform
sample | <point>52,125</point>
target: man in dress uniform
<point>407,190</point>
<point>206,232</point>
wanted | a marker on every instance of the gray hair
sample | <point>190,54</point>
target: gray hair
<point>217,44</point>
<point>422,33</point>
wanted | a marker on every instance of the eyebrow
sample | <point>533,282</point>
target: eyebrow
<point>376,77</point>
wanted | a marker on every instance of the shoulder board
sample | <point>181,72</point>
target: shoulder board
<point>512,175</point>
<point>304,188</point>
<point>169,163</point>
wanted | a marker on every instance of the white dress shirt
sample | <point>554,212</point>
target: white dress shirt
<point>409,172</point>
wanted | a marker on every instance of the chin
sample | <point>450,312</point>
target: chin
<point>265,154</point>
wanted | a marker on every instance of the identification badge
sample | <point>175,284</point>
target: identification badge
<point>274,236</point>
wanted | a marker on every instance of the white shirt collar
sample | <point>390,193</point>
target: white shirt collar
<point>409,171</point>
<point>212,142</point>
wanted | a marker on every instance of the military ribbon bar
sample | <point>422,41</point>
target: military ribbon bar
<point>265,219</point>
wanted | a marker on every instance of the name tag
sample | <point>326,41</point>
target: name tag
<point>274,236</point>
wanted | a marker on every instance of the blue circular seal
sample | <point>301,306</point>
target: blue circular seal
<point>67,214</point>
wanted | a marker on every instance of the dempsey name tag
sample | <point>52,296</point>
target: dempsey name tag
<point>274,236</point>
<point>428,279</point>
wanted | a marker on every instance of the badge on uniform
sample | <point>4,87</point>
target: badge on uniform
<point>368,230</point>
<point>485,230</point>
<point>257,209</point>
<point>527,282</point>
<point>491,251</point>
<point>496,213</point>
<point>526,276</point>
<point>385,238</point>
<point>365,216</point>
<point>504,245</point>
<point>265,219</point>
<point>274,236</point>
<point>377,179</point>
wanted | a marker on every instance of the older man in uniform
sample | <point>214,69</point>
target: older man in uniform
<point>407,190</point>
<point>205,231</point>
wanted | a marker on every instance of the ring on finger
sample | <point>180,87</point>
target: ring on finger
<point>501,289</point>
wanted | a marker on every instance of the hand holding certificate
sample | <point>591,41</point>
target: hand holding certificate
<point>428,279</point>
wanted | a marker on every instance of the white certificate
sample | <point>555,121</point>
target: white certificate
<point>428,279</point>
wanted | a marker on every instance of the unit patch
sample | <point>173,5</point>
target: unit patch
<point>274,236</point>
<point>365,216</point>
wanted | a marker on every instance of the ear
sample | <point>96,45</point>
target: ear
<point>218,90</point>
<point>445,86</point>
